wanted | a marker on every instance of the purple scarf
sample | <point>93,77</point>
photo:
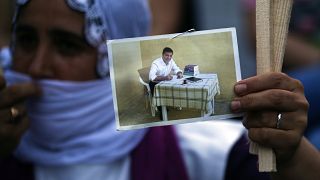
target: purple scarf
<point>158,157</point>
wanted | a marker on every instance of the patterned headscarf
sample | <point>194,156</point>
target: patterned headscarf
<point>93,140</point>
<point>108,19</point>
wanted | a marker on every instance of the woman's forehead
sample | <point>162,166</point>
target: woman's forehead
<point>51,14</point>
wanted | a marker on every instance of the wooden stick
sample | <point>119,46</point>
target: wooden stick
<point>264,33</point>
<point>264,36</point>
<point>281,13</point>
<point>272,22</point>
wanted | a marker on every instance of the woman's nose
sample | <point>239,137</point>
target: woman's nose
<point>40,67</point>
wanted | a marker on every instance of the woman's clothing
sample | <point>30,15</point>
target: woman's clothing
<point>204,149</point>
<point>72,123</point>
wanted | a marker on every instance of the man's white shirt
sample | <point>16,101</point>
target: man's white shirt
<point>160,68</point>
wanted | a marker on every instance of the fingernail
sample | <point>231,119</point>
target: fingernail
<point>235,106</point>
<point>240,88</point>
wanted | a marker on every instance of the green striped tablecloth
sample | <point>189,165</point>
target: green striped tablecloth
<point>195,95</point>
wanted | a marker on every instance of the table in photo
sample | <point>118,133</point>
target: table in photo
<point>197,95</point>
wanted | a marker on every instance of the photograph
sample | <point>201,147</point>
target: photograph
<point>173,78</point>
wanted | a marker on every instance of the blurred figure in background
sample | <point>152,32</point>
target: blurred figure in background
<point>213,14</point>
<point>303,47</point>
<point>303,44</point>
<point>166,16</point>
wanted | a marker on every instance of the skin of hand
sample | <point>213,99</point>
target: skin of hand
<point>262,98</point>
<point>305,164</point>
<point>169,77</point>
<point>6,13</point>
<point>179,75</point>
<point>163,78</point>
<point>13,96</point>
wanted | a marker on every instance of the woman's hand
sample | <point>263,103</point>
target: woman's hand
<point>263,98</point>
<point>13,121</point>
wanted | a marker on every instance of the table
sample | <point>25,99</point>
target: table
<point>198,95</point>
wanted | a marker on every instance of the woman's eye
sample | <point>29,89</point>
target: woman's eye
<point>67,47</point>
<point>26,41</point>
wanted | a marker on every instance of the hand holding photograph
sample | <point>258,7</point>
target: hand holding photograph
<point>174,78</point>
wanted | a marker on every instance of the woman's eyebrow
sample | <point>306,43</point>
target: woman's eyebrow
<point>24,28</point>
<point>61,33</point>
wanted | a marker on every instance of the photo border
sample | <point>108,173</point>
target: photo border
<point>175,35</point>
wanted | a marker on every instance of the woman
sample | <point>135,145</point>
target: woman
<point>59,78</point>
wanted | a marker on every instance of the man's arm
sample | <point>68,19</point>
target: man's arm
<point>153,74</point>
<point>176,69</point>
<point>163,78</point>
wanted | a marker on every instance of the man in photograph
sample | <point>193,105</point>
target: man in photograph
<point>162,67</point>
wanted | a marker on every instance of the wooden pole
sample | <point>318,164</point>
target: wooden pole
<point>272,21</point>
<point>281,15</point>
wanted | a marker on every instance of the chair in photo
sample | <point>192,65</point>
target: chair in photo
<point>144,80</point>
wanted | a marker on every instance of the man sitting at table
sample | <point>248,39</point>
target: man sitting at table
<point>162,67</point>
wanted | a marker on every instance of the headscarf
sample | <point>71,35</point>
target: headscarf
<point>73,122</point>
<point>108,19</point>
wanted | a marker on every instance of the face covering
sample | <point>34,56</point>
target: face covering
<point>5,57</point>
<point>71,123</point>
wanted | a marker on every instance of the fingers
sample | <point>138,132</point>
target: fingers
<point>258,119</point>
<point>282,142</point>
<point>17,93</point>
<point>14,130</point>
<point>285,139</point>
<point>289,121</point>
<point>272,99</point>
<point>275,138</point>
<point>263,98</point>
<point>267,81</point>
<point>8,117</point>
<point>2,82</point>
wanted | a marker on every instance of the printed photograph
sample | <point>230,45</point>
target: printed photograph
<point>174,78</point>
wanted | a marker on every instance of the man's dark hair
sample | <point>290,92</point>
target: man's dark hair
<point>167,49</point>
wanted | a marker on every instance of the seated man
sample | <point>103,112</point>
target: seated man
<point>162,67</point>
